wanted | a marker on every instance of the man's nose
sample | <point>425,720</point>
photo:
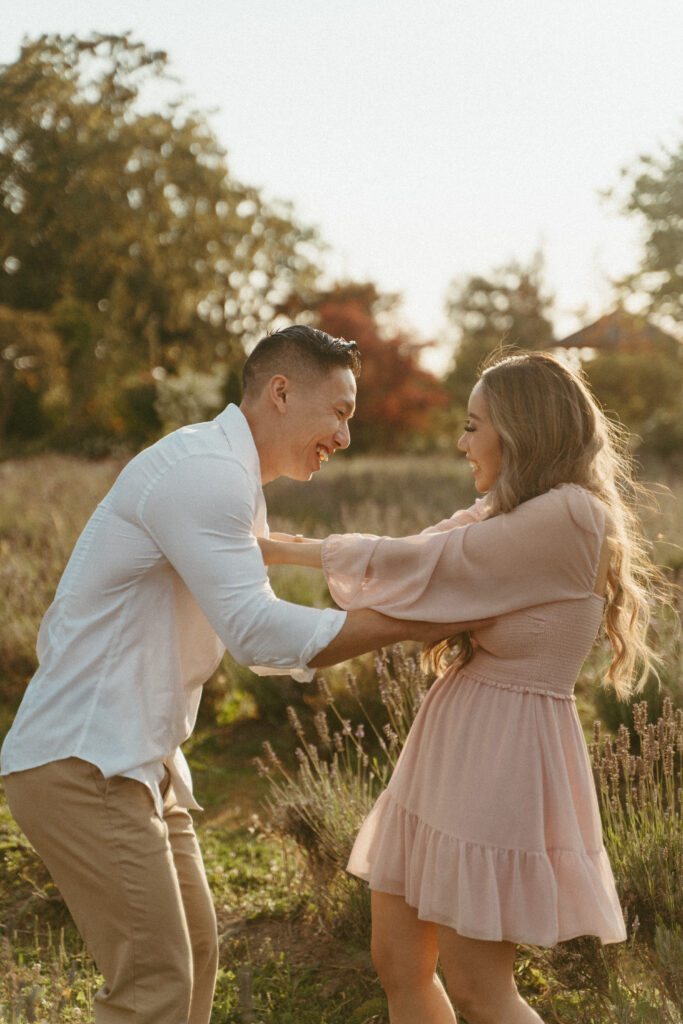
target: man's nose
<point>342,438</point>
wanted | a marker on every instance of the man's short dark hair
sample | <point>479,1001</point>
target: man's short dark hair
<point>297,349</point>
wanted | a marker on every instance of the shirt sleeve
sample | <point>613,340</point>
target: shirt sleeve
<point>200,513</point>
<point>546,549</point>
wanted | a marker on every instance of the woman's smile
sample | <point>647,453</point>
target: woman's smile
<point>481,443</point>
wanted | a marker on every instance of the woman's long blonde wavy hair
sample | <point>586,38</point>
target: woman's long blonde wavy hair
<point>552,431</point>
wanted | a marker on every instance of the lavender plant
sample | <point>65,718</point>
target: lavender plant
<point>340,771</point>
<point>339,775</point>
<point>639,786</point>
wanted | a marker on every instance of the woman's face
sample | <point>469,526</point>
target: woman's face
<point>481,443</point>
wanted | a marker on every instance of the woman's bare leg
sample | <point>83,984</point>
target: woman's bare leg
<point>405,951</point>
<point>480,979</point>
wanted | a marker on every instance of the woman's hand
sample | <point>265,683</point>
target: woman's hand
<point>291,551</point>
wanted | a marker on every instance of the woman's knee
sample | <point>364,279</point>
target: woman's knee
<point>388,966</point>
<point>399,966</point>
<point>480,999</point>
<point>479,975</point>
<point>466,996</point>
<point>404,949</point>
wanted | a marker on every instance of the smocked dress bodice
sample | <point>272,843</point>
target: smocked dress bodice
<point>539,649</point>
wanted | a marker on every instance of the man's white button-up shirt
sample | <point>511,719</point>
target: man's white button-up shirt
<point>166,574</point>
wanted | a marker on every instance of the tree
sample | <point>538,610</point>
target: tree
<point>33,392</point>
<point>644,390</point>
<point>397,397</point>
<point>134,212</point>
<point>656,197</point>
<point>509,307</point>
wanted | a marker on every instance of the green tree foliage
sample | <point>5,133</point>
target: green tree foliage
<point>397,397</point>
<point>656,197</point>
<point>509,307</point>
<point>33,379</point>
<point>644,391</point>
<point>133,214</point>
<point>646,388</point>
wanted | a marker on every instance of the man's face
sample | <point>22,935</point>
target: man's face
<point>316,421</point>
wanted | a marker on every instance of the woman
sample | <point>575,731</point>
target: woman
<point>489,832</point>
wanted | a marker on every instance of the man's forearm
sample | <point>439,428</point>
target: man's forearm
<point>366,630</point>
<point>283,550</point>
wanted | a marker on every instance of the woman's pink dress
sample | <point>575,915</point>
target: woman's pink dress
<point>490,823</point>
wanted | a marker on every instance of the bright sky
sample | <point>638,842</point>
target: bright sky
<point>427,139</point>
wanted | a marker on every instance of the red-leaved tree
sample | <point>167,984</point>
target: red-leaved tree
<point>397,396</point>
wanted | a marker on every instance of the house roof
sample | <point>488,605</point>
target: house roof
<point>621,332</point>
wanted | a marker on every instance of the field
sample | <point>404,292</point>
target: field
<point>293,927</point>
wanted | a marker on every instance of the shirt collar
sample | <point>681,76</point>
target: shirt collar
<point>237,431</point>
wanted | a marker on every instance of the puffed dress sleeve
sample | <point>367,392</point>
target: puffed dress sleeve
<point>546,549</point>
<point>462,517</point>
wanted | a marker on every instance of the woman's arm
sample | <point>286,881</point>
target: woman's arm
<point>542,551</point>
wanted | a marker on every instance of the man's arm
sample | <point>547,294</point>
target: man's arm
<point>283,549</point>
<point>201,515</point>
<point>366,630</point>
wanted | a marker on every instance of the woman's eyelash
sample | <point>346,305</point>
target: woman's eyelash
<point>470,430</point>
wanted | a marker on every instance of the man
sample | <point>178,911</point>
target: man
<point>167,574</point>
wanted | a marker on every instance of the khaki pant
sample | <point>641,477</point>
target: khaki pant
<point>135,886</point>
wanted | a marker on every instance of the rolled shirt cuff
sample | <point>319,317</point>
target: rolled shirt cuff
<point>330,622</point>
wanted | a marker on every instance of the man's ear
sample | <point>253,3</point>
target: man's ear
<point>278,389</point>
